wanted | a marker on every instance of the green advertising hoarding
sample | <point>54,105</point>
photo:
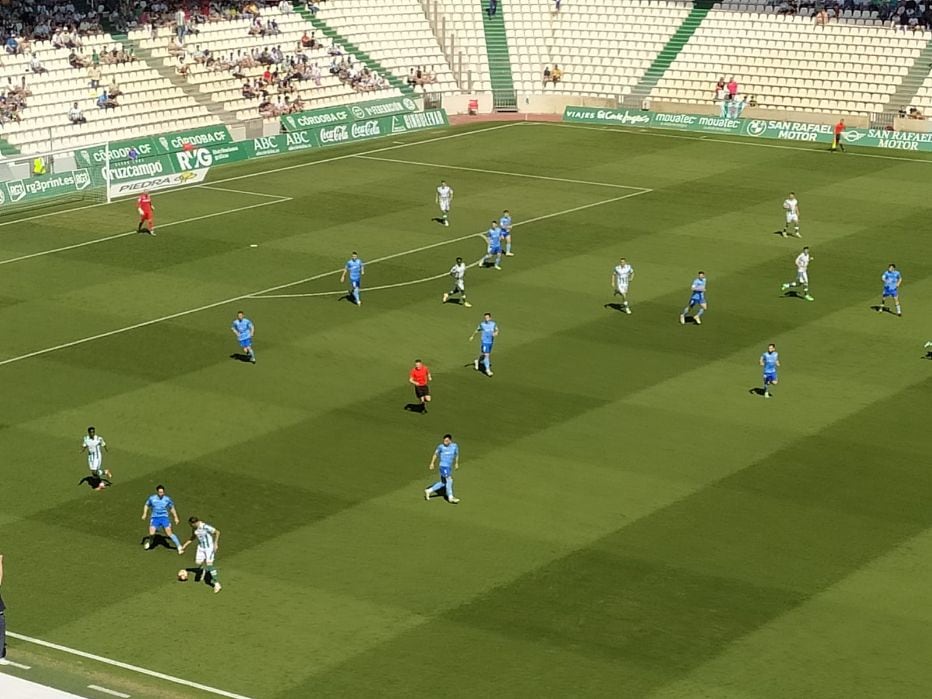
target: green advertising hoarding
<point>33,188</point>
<point>754,128</point>
<point>145,147</point>
<point>346,113</point>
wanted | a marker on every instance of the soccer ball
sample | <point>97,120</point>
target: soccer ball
<point>182,575</point>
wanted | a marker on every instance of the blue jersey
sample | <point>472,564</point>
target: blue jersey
<point>487,328</point>
<point>770,360</point>
<point>890,280</point>
<point>354,268</point>
<point>495,236</point>
<point>698,289</point>
<point>160,506</point>
<point>242,328</point>
<point>505,223</point>
<point>447,454</point>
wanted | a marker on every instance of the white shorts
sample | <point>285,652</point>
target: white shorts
<point>622,289</point>
<point>459,285</point>
<point>203,556</point>
<point>94,462</point>
<point>791,217</point>
<point>802,276</point>
<point>444,205</point>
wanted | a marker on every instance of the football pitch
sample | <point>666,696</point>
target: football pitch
<point>635,520</point>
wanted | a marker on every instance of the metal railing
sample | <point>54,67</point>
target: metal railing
<point>449,46</point>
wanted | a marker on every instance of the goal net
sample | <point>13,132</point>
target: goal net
<point>52,179</point>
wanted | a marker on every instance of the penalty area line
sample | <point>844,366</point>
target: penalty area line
<point>127,666</point>
<point>297,282</point>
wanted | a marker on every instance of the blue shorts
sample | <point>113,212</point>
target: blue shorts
<point>495,250</point>
<point>246,344</point>
<point>160,522</point>
<point>890,292</point>
<point>445,473</point>
<point>485,348</point>
<point>770,378</point>
<point>355,283</point>
<point>696,299</point>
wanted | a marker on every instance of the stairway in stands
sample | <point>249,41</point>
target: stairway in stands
<point>504,98</point>
<point>671,50</point>
<point>352,48</point>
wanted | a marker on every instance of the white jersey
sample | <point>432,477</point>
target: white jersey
<point>802,262</point>
<point>94,454</point>
<point>205,536</point>
<point>445,194</point>
<point>458,271</point>
<point>791,206</point>
<point>623,274</point>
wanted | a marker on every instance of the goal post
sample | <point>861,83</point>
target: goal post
<point>55,178</point>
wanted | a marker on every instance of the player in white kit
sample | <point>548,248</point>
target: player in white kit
<point>208,541</point>
<point>802,274</point>
<point>621,277</point>
<point>458,272</point>
<point>93,443</point>
<point>444,200</point>
<point>791,207</point>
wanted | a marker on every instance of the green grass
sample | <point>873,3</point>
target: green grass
<point>633,521</point>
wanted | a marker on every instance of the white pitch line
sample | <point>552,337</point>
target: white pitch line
<point>367,289</point>
<point>755,144</point>
<point>111,692</point>
<point>127,666</point>
<point>279,287</point>
<point>244,191</point>
<point>95,241</point>
<point>10,663</point>
<point>498,172</point>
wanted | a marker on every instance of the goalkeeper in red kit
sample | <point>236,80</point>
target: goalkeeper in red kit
<point>144,205</point>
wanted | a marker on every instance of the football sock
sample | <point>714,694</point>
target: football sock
<point>685,311</point>
<point>356,295</point>
<point>449,485</point>
<point>488,363</point>
<point>436,486</point>
<point>508,246</point>
<point>214,575</point>
<point>174,538</point>
<point>700,312</point>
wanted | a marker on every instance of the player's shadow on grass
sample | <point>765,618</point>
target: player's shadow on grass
<point>200,575</point>
<point>615,307</point>
<point>882,309</point>
<point>438,219</point>
<point>415,408</point>
<point>240,357</point>
<point>157,540</point>
<point>756,391</point>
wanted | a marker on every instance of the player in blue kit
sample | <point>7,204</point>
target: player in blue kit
<point>489,331</point>
<point>770,360</point>
<point>355,268</point>
<point>494,236</point>
<point>891,287</point>
<point>161,506</point>
<point>696,298</point>
<point>448,452</point>
<point>505,223</point>
<point>243,329</point>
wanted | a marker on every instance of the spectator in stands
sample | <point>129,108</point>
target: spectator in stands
<point>35,65</point>
<point>915,113</point>
<point>335,49</point>
<point>732,88</point>
<point>284,7</point>
<point>93,74</point>
<point>306,41</point>
<point>12,45</point>
<point>556,5</point>
<point>114,90</point>
<point>175,47</point>
<point>312,6</point>
<point>314,74</point>
<point>247,91</point>
<point>556,75</point>
<point>181,25</point>
<point>76,61</point>
<point>255,28</point>
<point>182,68</point>
<point>75,116</point>
<point>821,17</point>
<point>493,8</point>
<point>547,75</point>
<point>719,86</point>
<point>105,101</point>
<point>21,91</point>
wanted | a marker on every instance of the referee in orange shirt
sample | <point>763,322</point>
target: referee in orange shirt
<point>837,141</point>
<point>419,378</point>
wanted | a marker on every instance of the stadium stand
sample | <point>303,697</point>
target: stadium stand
<point>148,104</point>
<point>789,62</point>
<point>459,29</point>
<point>224,56</point>
<point>398,35</point>
<point>602,47</point>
